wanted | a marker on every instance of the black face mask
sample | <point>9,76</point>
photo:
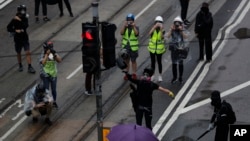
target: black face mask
<point>205,10</point>
<point>216,103</point>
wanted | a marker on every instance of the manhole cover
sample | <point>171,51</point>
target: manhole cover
<point>242,33</point>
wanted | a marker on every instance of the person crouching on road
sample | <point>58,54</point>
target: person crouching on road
<point>48,72</point>
<point>156,45</point>
<point>38,102</point>
<point>130,34</point>
<point>143,98</point>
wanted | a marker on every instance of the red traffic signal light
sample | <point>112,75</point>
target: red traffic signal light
<point>87,35</point>
<point>90,47</point>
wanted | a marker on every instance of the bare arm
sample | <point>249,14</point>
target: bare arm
<point>167,91</point>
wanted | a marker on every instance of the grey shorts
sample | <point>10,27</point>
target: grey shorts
<point>133,55</point>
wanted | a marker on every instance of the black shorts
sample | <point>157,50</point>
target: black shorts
<point>19,45</point>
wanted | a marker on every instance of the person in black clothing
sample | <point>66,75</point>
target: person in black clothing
<point>143,98</point>
<point>220,118</point>
<point>60,5</point>
<point>184,9</point>
<point>44,9</point>
<point>203,30</point>
<point>17,27</point>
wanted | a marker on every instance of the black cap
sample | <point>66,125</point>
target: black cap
<point>215,95</point>
<point>148,71</point>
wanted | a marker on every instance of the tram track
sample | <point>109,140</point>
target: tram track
<point>77,97</point>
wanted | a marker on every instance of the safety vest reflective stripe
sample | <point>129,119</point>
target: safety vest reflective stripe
<point>132,39</point>
<point>156,43</point>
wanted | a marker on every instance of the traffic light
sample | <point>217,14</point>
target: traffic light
<point>90,47</point>
<point>108,43</point>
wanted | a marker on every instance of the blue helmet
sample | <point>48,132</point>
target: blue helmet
<point>130,17</point>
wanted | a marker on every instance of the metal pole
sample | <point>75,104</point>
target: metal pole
<point>98,91</point>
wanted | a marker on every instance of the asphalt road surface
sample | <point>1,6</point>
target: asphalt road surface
<point>184,118</point>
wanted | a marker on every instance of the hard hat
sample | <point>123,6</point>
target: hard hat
<point>159,19</point>
<point>148,71</point>
<point>178,19</point>
<point>130,17</point>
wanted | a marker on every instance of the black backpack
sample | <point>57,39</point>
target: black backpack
<point>230,112</point>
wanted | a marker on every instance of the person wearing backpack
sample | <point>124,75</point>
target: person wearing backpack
<point>222,117</point>
<point>203,31</point>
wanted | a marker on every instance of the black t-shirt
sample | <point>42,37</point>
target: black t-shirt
<point>145,90</point>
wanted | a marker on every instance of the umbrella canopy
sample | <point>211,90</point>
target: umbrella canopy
<point>131,132</point>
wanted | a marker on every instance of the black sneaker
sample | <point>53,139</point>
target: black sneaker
<point>174,80</point>
<point>20,69</point>
<point>88,93</point>
<point>71,15</point>
<point>46,19</point>
<point>48,121</point>
<point>31,70</point>
<point>180,80</point>
<point>35,119</point>
<point>55,105</point>
<point>61,14</point>
<point>37,19</point>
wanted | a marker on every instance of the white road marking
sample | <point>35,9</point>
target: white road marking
<point>13,128</point>
<point>223,94</point>
<point>70,76</point>
<point>188,96</point>
<point>2,99</point>
<point>3,3</point>
<point>19,102</point>
<point>74,72</point>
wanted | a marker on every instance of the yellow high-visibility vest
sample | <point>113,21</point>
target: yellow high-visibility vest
<point>156,43</point>
<point>132,39</point>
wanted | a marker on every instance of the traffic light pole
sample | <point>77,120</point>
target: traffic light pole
<point>98,90</point>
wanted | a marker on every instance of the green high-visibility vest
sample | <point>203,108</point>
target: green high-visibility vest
<point>50,68</point>
<point>132,40</point>
<point>156,43</point>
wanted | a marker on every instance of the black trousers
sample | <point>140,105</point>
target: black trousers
<point>154,56</point>
<point>174,69</point>
<point>60,5</point>
<point>207,41</point>
<point>44,7</point>
<point>147,113</point>
<point>184,8</point>
<point>221,133</point>
<point>88,81</point>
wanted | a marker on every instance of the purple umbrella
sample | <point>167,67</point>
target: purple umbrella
<point>131,132</point>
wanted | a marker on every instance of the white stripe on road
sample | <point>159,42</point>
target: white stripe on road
<point>13,128</point>
<point>186,99</point>
<point>3,3</point>
<point>70,76</point>
<point>223,94</point>
<point>74,72</point>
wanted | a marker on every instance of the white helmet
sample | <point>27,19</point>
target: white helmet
<point>159,18</point>
<point>178,19</point>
